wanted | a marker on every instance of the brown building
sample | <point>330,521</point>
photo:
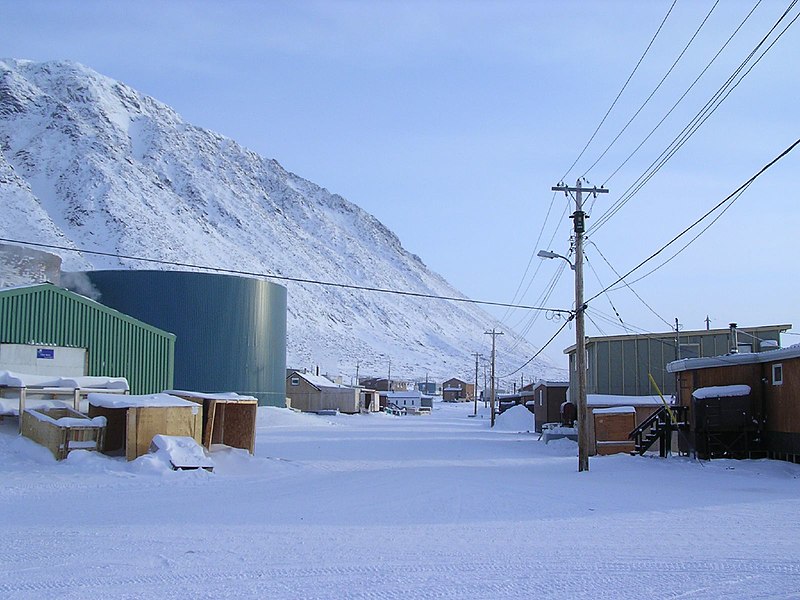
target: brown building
<point>718,391</point>
<point>314,393</point>
<point>455,390</point>
<point>548,396</point>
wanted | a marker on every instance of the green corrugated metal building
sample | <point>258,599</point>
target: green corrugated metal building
<point>117,345</point>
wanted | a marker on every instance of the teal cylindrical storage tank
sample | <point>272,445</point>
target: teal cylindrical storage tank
<point>230,331</point>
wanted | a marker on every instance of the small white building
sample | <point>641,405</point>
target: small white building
<point>410,401</point>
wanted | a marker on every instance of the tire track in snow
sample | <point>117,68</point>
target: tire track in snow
<point>499,579</point>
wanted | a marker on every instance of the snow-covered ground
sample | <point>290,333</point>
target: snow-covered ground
<point>375,506</point>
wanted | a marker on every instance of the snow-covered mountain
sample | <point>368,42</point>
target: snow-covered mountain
<point>87,162</point>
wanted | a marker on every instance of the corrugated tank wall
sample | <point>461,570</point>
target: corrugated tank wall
<point>231,331</point>
<point>118,345</point>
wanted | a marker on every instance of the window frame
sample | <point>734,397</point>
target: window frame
<point>777,369</point>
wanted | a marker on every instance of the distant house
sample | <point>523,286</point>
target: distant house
<point>455,390</point>
<point>743,404</point>
<point>382,384</point>
<point>428,388</point>
<point>314,393</point>
<point>408,400</point>
<point>621,364</point>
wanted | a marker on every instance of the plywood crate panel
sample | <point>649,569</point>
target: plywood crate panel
<point>62,429</point>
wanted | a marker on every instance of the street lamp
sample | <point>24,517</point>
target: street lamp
<point>551,254</point>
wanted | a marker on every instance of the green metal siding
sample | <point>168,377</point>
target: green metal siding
<point>117,345</point>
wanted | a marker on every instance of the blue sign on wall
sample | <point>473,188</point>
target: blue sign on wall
<point>48,353</point>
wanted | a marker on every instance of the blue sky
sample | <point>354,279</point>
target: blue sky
<point>450,121</point>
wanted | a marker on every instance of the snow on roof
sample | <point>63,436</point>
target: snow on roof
<point>721,391</point>
<point>552,383</point>
<point>741,358</point>
<point>127,401</point>
<point>612,400</point>
<point>614,410</point>
<point>318,381</point>
<point>403,394</point>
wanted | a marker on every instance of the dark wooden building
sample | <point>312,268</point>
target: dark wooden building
<point>455,390</point>
<point>772,405</point>
<point>548,396</point>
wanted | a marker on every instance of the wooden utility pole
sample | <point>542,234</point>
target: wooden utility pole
<point>579,226</point>
<point>475,391</point>
<point>494,333</point>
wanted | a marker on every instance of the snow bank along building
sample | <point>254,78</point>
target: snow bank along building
<point>47,330</point>
<point>230,331</point>
<point>742,405</point>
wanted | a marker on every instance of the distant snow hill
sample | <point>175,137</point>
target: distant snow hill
<point>87,162</point>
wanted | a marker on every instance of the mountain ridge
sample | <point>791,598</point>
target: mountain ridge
<point>88,162</point>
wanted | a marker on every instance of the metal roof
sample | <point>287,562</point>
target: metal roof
<point>742,358</point>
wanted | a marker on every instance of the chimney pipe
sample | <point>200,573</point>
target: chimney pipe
<point>734,339</point>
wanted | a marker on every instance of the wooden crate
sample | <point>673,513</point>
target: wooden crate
<point>611,429</point>
<point>62,430</point>
<point>227,419</point>
<point>133,421</point>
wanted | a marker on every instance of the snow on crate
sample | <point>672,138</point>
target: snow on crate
<point>105,400</point>
<point>614,410</point>
<point>182,452</point>
<point>721,391</point>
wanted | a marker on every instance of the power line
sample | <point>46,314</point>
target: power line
<point>697,121</point>
<point>689,89</point>
<point>547,343</point>
<point>286,278</point>
<point>625,85</point>
<point>660,83</point>
<point>650,308</point>
<point>735,194</point>
<point>530,260</point>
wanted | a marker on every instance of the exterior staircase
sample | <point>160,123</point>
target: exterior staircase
<point>658,427</point>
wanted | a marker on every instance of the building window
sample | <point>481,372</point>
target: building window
<point>689,351</point>
<point>295,381</point>
<point>777,374</point>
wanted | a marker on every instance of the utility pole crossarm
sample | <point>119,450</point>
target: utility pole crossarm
<point>592,190</point>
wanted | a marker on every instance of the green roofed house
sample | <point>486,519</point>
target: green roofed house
<point>45,329</point>
<point>623,364</point>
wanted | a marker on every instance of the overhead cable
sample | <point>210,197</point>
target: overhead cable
<point>625,85</point>
<point>285,277</point>
<point>660,83</point>
<point>731,197</point>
